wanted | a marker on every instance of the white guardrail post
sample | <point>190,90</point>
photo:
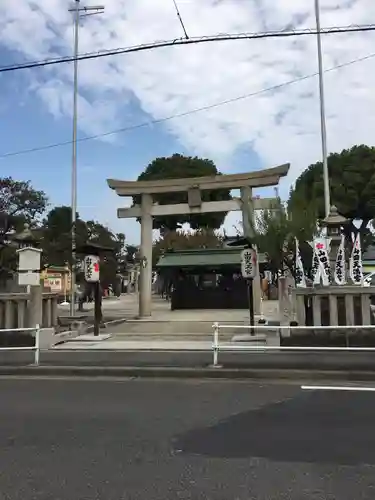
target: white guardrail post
<point>215,345</point>
<point>37,345</point>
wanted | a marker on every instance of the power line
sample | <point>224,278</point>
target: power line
<point>189,41</point>
<point>180,19</point>
<point>185,113</point>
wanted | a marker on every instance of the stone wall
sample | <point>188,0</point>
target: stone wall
<point>17,310</point>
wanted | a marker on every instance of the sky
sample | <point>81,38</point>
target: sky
<point>259,129</point>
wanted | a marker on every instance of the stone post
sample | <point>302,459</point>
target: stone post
<point>36,306</point>
<point>334,222</point>
<point>285,301</point>
<point>247,218</point>
<point>145,292</point>
<point>136,281</point>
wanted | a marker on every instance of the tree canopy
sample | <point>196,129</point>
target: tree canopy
<point>57,246</point>
<point>352,184</point>
<point>20,203</point>
<point>275,231</point>
<point>178,166</point>
<point>57,236</point>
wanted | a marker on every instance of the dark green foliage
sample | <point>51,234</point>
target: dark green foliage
<point>178,166</point>
<point>57,242</point>
<point>275,232</point>
<point>20,203</point>
<point>352,184</point>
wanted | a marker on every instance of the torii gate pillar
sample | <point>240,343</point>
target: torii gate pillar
<point>247,205</point>
<point>145,288</point>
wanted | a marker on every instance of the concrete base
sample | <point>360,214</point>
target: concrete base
<point>91,338</point>
<point>46,338</point>
<point>247,337</point>
<point>267,337</point>
<point>296,376</point>
<point>138,345</point>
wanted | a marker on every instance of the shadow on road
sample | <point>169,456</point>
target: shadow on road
<point>324,427</point>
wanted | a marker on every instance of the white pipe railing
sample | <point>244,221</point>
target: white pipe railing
<point>298,327</point>
<point>35,347</point>
<point>216,346</point>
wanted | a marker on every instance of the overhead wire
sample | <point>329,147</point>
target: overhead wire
<point>185,113</point>
<point>180,19</point>
<point>188,41</point>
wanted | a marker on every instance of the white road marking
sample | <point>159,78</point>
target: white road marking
<point>336,388</point>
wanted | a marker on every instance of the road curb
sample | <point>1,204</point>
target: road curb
<point>187,373</point>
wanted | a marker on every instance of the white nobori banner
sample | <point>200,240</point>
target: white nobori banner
<point>316,273</point>
<point>322,261</point>
<point>340,272</point>
<point>300,273</point>
<point>355,263</point>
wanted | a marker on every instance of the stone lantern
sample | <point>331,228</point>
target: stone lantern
<point>29,263</point>
<point>26,238</point>
<point>334,223</point>
<point>29,256</point>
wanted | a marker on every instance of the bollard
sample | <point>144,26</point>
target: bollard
<point>216,344</point>
<point>37,345</point>
<point>262,319</point>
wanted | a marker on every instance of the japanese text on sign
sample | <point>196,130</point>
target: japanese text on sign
<point>91,268</point>
<point>300,273</point>
<point>356,271</point>
<point>248,263</point>
<point>322,255</point>
<point>339,274</point>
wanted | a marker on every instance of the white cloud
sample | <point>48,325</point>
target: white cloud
<point>280,126</point>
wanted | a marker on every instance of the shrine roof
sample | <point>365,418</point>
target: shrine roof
<point>204,257</point>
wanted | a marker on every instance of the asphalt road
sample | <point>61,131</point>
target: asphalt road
<point>159,440</point>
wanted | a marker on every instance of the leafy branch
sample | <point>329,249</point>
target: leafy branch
<point>274,233</point>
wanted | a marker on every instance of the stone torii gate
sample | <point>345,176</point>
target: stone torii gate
<point>194,185</point>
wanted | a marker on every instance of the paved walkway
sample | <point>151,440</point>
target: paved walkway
<point>126,306</point>
<point>164,330</point>
<point>137,345</point>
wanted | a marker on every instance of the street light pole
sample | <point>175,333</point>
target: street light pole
<point>77,15</point>
<point>74,160</point>
<point>327,202</point>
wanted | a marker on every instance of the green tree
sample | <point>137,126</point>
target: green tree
<point>275,231</point>
<point>131,253</point>
<point>20,203</point>
<point>57,242</point>
<point>57,236</point>
<point>177,167</point>
<point>121,253</point>
<point>352,185</point>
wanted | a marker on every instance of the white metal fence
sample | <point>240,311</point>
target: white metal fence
<point>232,347</point>
<point>217,346</point>
<point>35,347</point>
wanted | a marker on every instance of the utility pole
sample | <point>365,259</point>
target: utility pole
<point>327,202</point>
<point>78,13</point>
